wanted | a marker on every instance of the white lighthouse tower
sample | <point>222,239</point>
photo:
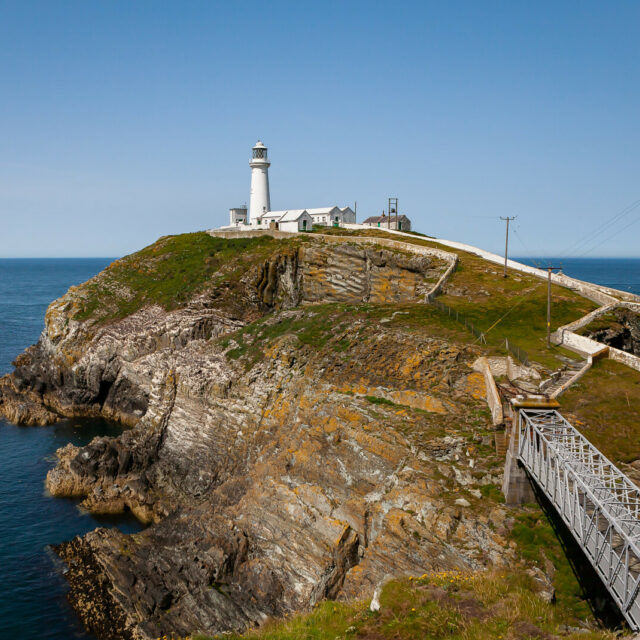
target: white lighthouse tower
<point>259,202</point>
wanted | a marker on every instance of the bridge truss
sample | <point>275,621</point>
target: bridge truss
<point>598,503</point>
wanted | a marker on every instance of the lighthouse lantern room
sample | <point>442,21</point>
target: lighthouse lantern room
<point>259,203</point>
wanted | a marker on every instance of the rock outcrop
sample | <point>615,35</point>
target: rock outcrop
<point>622,333</point>
<point>284,450</point>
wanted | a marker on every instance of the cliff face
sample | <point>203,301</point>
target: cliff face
<point>622,331</point>
<point>285,449</point>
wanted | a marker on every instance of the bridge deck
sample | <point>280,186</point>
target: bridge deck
<point>599,504</point>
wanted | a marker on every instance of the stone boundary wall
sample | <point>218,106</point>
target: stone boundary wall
<point>595,292</point>
<point>625,358</point>
<point>567,337</point>
<point>443,280</point>
<point>507,366</point>
<point>447,256</point>
<point>562,388</point>
<point>396,244</point>
<point>251,233</point>
<point>585,320</point>
<point>481,365</point>
<point>563,336</point>
<point>575,342</point>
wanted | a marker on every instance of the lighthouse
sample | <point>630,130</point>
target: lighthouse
<point>259,202</point>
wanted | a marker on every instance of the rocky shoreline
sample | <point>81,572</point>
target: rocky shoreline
<point>266,452</point>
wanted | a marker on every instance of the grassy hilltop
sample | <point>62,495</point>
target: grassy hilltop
<point>176,270</point>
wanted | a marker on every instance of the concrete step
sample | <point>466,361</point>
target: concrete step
<point>500,440</point>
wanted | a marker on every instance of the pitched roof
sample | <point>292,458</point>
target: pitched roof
<point>285,216</point>
<point>322,210</point>
<point>385,218</point>
<point>292,216</point>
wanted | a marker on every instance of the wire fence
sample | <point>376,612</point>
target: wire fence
<point>517,352</point>
<point>513,349</point>
<point>454,313</point>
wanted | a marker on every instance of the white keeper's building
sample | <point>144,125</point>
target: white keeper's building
<point>259,214</point>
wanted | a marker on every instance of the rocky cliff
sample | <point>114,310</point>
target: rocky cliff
<point>301,430</point>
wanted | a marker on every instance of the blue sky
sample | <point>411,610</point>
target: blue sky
<point>124,121</point>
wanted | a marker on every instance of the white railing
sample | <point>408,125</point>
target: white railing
<point>598,503</point>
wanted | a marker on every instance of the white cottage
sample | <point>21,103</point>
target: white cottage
<point>332,216</point>
<point>291,220</point>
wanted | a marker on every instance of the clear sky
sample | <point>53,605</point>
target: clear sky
<point>123,121</point>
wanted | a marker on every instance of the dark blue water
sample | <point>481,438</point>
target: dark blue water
<point>32,589</point>
<point>619,273</point>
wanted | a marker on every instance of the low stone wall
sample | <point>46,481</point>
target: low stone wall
<point>581,344</point>
<point>507,366</point>
<point>585,320</point>
<point>443,280</point>
<point>250,233</point>
<point>625,358</point>
<point>595,292</point>
<point>567,337</point>
<point>481,365</point>
<point>450,258</point>
<point>396,244</point>
<point>562,388</point>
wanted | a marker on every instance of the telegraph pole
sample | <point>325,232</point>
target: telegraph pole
<point>549,270</point>
<point>506,242</point>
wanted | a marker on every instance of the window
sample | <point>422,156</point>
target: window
<point>259,153</point>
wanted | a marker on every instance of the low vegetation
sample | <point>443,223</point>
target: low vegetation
<point>446,604</point>
<point>169,273</point>
<point>604,406</point>
<point>513,307</point>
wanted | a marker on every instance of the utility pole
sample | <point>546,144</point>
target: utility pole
<point>549,270</point>
<point>506,242</point>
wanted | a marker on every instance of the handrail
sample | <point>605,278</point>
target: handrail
<point>599,503</point>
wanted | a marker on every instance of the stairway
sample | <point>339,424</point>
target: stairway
<point>551,386</point>
<point>501,442</point>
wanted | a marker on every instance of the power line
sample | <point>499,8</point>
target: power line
<point>584,242</point>
<point>613,235</point>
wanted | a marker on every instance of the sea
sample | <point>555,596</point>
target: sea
<point>33,603</point>
<point>33,591</point>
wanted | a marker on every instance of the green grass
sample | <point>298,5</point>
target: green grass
<point>378,400</point>
<point>316,326</point>
<point>536,539</point>
<point>492,492</point>
<point>448,604</point>
<point>604,406</point>
<point>513,307</point>
<point>325,325</point>
<point>168,273</point>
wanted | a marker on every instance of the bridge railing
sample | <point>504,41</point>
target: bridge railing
<point>598,503</point>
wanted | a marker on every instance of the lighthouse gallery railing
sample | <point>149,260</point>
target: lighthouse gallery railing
<point>598,503</point>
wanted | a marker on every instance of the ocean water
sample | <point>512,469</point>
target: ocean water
<point>618,273</point>
<point>32,588</point>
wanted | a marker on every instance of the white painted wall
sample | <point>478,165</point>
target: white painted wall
<point>297,225</point>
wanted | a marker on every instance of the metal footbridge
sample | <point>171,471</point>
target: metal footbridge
<point>598,503</point>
